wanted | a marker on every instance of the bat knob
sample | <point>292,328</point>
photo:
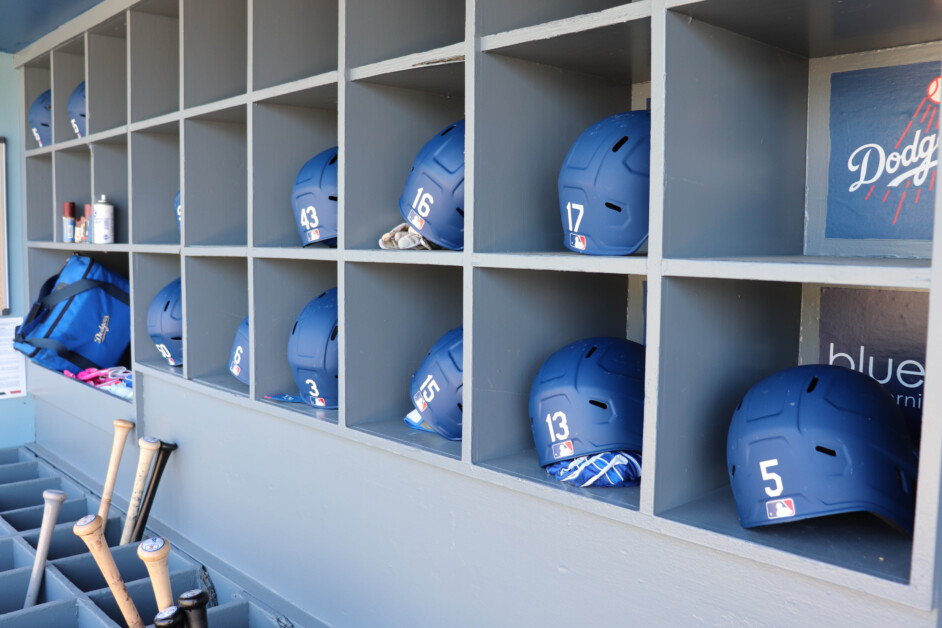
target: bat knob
<point>194,598</point>
<point>170,617</point>
<point>153,549</point>
<point>148,442</point>
<point>89,524</point>
<point>54,495</point>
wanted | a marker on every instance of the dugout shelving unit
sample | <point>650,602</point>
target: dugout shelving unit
<point>226,99</point>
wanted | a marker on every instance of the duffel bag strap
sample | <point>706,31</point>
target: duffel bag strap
<point>62,351</point>
<point>38,308</point>
<point>69,291</point>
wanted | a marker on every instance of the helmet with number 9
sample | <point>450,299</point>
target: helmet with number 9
<point>40,118</point>
<point>76,109</point>
<point>819,440</point>
<point>432,200</point>
<point>314,199</point>
<point>312,351</point>
<point>603,186</point>
<point>178,209</point>
<point>588,398</point>
<point>239,356</point>
<point>165,323</point>
<point>436,386</point>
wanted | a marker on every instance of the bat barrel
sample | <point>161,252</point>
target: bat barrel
<point>163,454</point>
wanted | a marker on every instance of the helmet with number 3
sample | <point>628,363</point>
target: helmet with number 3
<point>239,356</point>
<point>76,110</point>
<point>432,200</point>
<point>314,199</point>
<point>40,118</point>
<point>165,322</point>
<point>588,398</point>
<point>436,386</point>
<point>603,186</point>
<point>819,440</point>
<point>312,351</point>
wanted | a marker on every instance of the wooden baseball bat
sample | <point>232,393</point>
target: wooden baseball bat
<point>193,603</point>
<point>89,528</point>
<point>53,499</point>
<point>170,617</point>
<point>148,447</point>
<point>154,552</point>
<point>163,454</point>
<point>121,429</point>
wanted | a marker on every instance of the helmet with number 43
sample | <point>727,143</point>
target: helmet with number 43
<point>819,440</point>
<point>588,398</point>
<point>239,356</point>
<point>436,386</point>
<point>312,351</point>
<point>432,200</point>
<point>165,323</point>
<point>314,199</point>
<point>603,186</point>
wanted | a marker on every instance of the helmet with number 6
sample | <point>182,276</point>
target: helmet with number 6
<point>588,398</point>
<point>40,118</point>
<point>314,199</point>
<point>432,200</point>
<point>312,351</point>
<point>239,356</point>
<point>819,440</point>
<point>436,386</point>
<point>165,322</point>
<point>603,186</point>
<point>76,109</point>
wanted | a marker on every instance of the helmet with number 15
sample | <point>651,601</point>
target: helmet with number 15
<point>314,199</point>
<point>312,351</point>
<point>437,384</point>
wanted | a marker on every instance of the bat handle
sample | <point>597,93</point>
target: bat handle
<point>193,603</point>
<point>170,617</point>
<point>121,430</point>
<point>53,502</point>
<point>148,446</point>
<point>163,454</point>
<point>89,529</point>
<point>154,552</point>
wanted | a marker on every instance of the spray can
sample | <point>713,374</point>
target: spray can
<point>68,222</point>
<point>102,222</point>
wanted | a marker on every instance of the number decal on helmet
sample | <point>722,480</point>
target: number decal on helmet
<point>579,208</point>
<point>563,434</point>
<point>423,202</point>
<point>164,351</point>
<point>309,217</point>
<point>237,355</point>
<point>429,387</point>
<point>770,476</point>
<point>313,391</point>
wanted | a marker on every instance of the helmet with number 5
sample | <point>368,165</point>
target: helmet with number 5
<point>76,109</point>
<point>239,356</point>
<point>818,440</point>
<point>312,351</point>
<point>314,199</point>
<point>165,322</point>
<point>588,398</point>
<point>603,186</point>
<point>40,118</point>
<point>436,386</point>
<point>432,200</point>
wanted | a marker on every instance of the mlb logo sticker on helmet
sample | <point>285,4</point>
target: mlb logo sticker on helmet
<point>416,220</point>
<point>319,401</point>
<point>577,241</point>
<point>313,235</point>
<point>780,508</point>
<point>419,402</point>
<point>562,450</point>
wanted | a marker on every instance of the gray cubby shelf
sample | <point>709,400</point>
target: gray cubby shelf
<point>227,99</point>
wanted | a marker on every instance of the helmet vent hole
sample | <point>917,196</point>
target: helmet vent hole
<point>619,144</point>
<point>333,333</point>
<point>333,198</point>
<point>732,470</point>
<point>599,404</point>
<point>176,338</point>
<point>591,351</point>
<point>613,206</point>
<point>166,305</point>
<point>825,450</point>
<point>460,211</point>
<point>812,384</point>
<point>295,327</point>
<point>332,161</point>
<point>447,130</point>
<point>739,407</point>
<point>460,409</point>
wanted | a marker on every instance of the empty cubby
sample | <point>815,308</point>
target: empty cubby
<point>216,301</point>
<point>13,586</point>
<point>110,179</point>
<point>216,43</point>
<point>31,517</point>
<point>215,171</point>
<point>521,317</point>
<point>154,53</point>
<point>155,170</point>
<point>390,117</point>
<point>36,80</point>
<point>285,137</point>
<point>393,315</point>
<point>14,554</point>
<point>107,87</point>
<point>540,95</point>
<point>68,71</point>
<point>83,572</point>
<point>64,541</point>
<point>40,214</point>
<point>282,289</point>
<point>150,274</point>
<point>73,182</point>
<point>292,39</point>
<point>141,593</point>
<point>62,614</point>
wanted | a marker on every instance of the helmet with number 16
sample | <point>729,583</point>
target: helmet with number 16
<point>314,199</point>
<point>165,323</point>
<point>312,351</point>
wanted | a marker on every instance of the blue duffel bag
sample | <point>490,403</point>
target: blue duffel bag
<point>82,319</point>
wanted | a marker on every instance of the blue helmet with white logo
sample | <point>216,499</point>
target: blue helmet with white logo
<point>312,351</point>
<point>819,440</point>
<point>432,200</point>
<point>178,209</point>
<point>239,356</point>
<point>76,110</point>
<point>603,186</point>
<point>588,398</point>
<point>436,386</point>
<point>165,322</point>
<point>40,118</point>
<point>314,199</point>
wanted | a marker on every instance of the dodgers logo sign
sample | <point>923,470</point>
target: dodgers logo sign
<point>884,128</point>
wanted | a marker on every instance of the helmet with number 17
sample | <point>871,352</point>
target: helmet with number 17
<point>165,323</point>
<point>432,200</point>
<point>312,351</point>
<point>239,356</point>
<point>314,199</point>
